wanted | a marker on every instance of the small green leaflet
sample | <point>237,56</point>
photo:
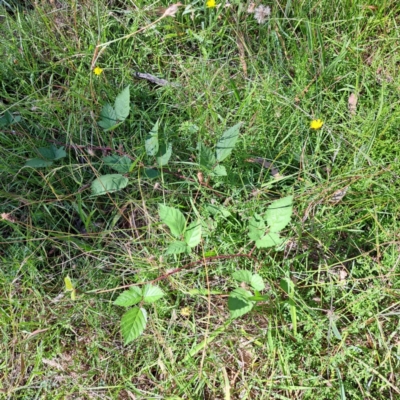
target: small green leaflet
<point>227,142</point>
<point>133,323</point>
<point>173,218</point>
<point>256,227</point>
<point>151,143</point>
<point>177,247</point>
<point>269,240</point>
<point>193,234</point>
<point>206,157</point>
<point>111,117</point>
<point>278,214</point>
<point>49,155</point>
<point>129,297</point>
<point>118,163</point>
<point>239,302</point>
<point>108,184</point>
<point>151,293</point>
<point>164,154</point>
<point>9,119</point>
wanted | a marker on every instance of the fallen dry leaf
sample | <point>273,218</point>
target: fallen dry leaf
<point>172,10</point>
<point>353,104</point>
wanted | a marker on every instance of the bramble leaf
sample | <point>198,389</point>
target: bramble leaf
<point>173,218</point>
<point>227,142</point>
<point>108,184</point>
<point>133,323</point>
<point>129,297</point>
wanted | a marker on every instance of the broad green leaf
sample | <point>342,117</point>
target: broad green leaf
<point>269,240</point>
<point>108,184</point>
<point>164,154</point>
<point>122,105</point>
<point>278,213</point>
<point>242,275</point>
<point>257,282</point>
<point>256,227</point>
<point>206,157</point>
<point>150,173</point>
<point>239,302</point>
<point>151,143</point>
<point>133,323</point>
<point>177,247</point>
<point>52,152</point>
<point>118,163</point>
<point>193,234</point>
<point>227,142</point>
<point>129,297</point>
<point>173,218</point>
<point>9,119</point>
<point>108,117</point>
<point>38,163</point>
<point>219,170</point>
<point>152,293</point>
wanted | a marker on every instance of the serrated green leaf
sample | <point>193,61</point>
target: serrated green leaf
<point>118,163</point>
<point>242,275</point>
<point>164,154</point>
<point>269,240</point>
<point>129,297</point>
<point>278,213</point>
<point>206,157</point>
<point>173,218</point>
<point>108,117</point>
<point>256,227</point>
<point>257,282</point>
<point>38,163</point>
<point>151,143</point>
<point>239,302</point>
<point>122,105</point>
<point>177,247</point>
<point>219,170</point>
<point>152,293</point>
<point>193,234</point>
<point>108,184</point>
<point>133,323</point>
<point>227,142</point>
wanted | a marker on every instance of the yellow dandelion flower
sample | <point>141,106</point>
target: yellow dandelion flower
<point>316,124</point>
<point>98,70</point>
<point>211,4</point>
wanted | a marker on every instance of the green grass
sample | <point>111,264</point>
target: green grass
<point>343,258</point>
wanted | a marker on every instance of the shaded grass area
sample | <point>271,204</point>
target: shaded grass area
<point>343,257</point>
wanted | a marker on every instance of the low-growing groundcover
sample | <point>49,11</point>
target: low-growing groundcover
<point>199,200</point>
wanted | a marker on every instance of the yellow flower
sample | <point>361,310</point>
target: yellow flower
<point>316,124</point>
<point>211,4</point>
<point>98,70</point>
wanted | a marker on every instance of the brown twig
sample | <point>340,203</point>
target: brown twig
<point>203,261</point>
